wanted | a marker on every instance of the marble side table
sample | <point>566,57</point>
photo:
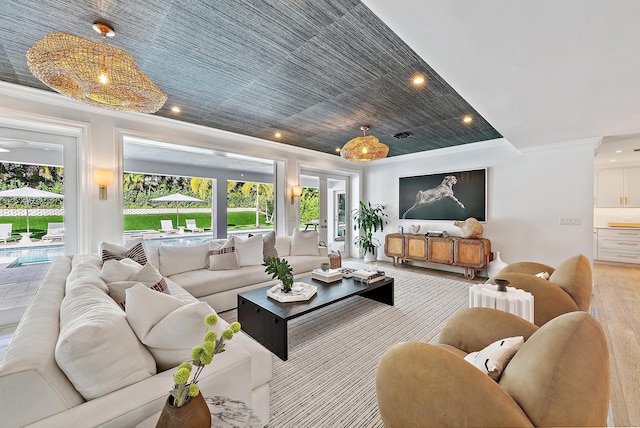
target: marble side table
<point>225,413</point>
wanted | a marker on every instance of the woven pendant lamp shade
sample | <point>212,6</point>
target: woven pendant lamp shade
<point>93,73</point>
<point>364,149</point>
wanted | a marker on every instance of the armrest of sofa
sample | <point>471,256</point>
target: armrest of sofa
<point>422,385</point>
<point>473,329</point>
<point>549,299</point>
<point>530,268</point>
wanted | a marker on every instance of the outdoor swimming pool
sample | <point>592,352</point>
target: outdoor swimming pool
<point>46,254</point>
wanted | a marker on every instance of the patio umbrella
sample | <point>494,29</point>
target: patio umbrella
<point>176,197</point>
<point>28,193</point>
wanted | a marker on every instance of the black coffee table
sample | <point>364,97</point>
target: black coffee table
<point>266,319</point>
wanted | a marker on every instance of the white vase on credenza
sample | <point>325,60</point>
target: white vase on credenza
<point>495,265</point>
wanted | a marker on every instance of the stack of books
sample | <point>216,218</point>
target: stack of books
<point>368,276</point>
<point>331,275</point>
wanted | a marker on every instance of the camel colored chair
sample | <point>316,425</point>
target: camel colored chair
<point>559,377</point>
<point>568,288</point>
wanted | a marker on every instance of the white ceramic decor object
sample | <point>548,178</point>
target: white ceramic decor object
<point>495,266</point>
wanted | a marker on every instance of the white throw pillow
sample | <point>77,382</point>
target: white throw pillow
<point>119,270</point>
<point>223,255</point>
<point>167,326</point>
<point>543,275</point>
<point>494,358</point>
<point>96,347</point>
<point>249,250</point>
<point>134,250</point>
<point>147,276</point>
<point>304,243</point>
<point>174,260</point>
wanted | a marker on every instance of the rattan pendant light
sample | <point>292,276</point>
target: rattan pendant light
<point>94,73</point>
<point>365,148</point>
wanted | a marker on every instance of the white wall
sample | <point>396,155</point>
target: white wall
<point>527,194</point>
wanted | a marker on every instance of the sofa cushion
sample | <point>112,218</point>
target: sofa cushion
<point>301,264</point>
<point>304,243</point>
<point>204,282</point>
<point>134,249</point>
<point>249,250</point>
<point>147,276</point>
<point>119,270</point>
<point>223,255</point>
<point>96,348</point>
<point>168,327</point>
<point>283,246</point>
<point>269,245</point>
<point>494,358</point>
<point>85,275</point>
<point>175,260</point>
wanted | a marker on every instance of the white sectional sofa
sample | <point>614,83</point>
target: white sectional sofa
<point>44,381</point>
<point>189,267</point>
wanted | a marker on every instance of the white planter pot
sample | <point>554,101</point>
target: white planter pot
<point>495,265</point>
<point>368,257</point>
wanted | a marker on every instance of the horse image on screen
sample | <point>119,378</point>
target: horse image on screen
<point>446,196</point>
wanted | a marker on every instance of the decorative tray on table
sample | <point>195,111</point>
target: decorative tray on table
<point>299,292</point>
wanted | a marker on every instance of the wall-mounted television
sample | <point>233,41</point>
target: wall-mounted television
<point>446,196</point>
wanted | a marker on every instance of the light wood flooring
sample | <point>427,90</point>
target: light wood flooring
<point>617,306</point>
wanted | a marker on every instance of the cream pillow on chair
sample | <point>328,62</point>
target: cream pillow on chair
<point>494,358</point>
<point>167,326</point>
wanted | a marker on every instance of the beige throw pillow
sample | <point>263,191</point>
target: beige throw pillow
<point>167,326</point>
<point>494,358</point>
<point>304,243</point>
<point>174,260</point>
<point>134,250</point>
<point>119,270</point>
<point>147,276</point>
<point>96,347</point>
<point>223,255</point>
<point>249,250</point>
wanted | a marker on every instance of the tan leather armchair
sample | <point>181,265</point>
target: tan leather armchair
<point>568,288</point>
<point>560,376</point>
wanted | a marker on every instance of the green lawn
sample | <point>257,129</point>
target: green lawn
<point>236,220</point>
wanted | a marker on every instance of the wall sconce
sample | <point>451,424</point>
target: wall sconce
<point>296,191</point>
<point>102,177</point>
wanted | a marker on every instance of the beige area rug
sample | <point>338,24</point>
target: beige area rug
<point>329,379</point>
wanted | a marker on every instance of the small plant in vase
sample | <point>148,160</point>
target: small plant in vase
<point>187,392</point>
<point>279,268</point>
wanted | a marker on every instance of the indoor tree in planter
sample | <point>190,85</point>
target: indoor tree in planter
<point>369,219</point>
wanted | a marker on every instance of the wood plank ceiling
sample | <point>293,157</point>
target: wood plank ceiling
<point>313,70</point>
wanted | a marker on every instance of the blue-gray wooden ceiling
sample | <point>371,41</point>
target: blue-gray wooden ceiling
<point>313,70</point>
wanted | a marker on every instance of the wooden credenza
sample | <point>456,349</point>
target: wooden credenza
<point>471,254</point>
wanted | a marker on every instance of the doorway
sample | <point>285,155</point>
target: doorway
<point>323,207</point>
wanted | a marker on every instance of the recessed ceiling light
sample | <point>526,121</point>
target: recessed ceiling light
<point>175,109</point>
<point>277,135</point>
<point>4,150</point>
<point>467,119</point>
<point>418,80</point>
<point>612,160</point>
<point>338,149</point>
<point>618,151</point>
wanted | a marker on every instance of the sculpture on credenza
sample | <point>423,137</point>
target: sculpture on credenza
<point>441,191</point>
<point>470,228</point>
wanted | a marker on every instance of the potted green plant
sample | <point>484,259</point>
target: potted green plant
<point>279,268</point>
<point>369,219</point>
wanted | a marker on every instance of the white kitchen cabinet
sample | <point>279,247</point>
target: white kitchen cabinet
<point>619,187</point>
<point>619,245</point>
